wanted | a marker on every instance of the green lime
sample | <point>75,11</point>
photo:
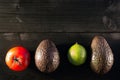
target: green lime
<point>77,54</point>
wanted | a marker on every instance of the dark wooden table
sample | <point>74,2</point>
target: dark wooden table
<point>27,22</point>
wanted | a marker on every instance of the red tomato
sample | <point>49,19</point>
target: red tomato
<point>17,58</point>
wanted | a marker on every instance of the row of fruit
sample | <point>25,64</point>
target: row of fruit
<point>47,57</point>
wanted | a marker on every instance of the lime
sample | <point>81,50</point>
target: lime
<point>77,54</point>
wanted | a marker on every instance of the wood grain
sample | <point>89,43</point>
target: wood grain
<point>58,16</point>
<point>27,22</point>
<point>31,40</point>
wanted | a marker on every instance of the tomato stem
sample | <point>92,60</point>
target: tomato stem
<point>17,60</point>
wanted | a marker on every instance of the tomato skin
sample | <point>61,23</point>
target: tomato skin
<point>17,58</point>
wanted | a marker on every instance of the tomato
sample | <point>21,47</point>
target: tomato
<point>17,58</point>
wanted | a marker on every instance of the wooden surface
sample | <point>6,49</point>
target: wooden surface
<point>59,16</point>
<point>27,22</point>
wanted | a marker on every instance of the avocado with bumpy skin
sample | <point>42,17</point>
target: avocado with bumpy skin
<point>102,56</point>
<point>47,56</point>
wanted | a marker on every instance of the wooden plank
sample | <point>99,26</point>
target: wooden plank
<point>19,26</point>
<point>63,41</point>
<point>32,23</point>
<point>31,40</point>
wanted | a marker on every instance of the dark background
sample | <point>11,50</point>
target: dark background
<point>27,22</point>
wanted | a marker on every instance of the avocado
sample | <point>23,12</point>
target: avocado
<point>47,56</point>
<point>102,56</point>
